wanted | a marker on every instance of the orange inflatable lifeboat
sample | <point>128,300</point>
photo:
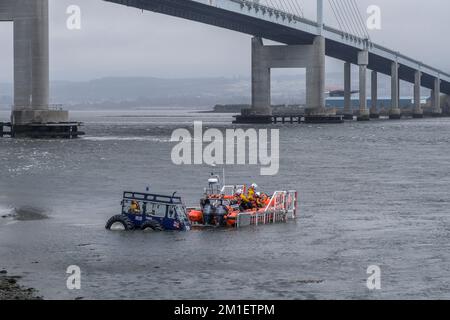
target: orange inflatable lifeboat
<point>228,206</point>
<point>195,216</point>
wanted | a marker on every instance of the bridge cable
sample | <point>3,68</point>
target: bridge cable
<point>342,16</point>
<point>290,6</point>
<point>353,28</point>
<point>283,4</point>
<point>337,18</point>
<point>277,5</point>
<point>293,8</point>
<point>361,20</point>
<point>351,18</point>
<point>271,4</point>
<point>336,15</point>
<point>299,8</point>
<point>350,8</point>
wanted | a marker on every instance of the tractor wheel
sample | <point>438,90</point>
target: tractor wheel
<point>119,222</point>
<point>153,225</point>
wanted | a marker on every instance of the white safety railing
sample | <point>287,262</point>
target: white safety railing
<point>229,190</point>
<point>281,207</point>
<point>291,204</point>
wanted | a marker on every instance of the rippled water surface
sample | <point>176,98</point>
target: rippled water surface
<point>370,194</point>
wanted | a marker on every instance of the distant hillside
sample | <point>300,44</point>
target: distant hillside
<point>149,91</point>
<point>112,93</point>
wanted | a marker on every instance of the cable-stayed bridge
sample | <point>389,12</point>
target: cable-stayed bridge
<point>304,44</point>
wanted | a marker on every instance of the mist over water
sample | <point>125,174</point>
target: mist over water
<point>370,193</point>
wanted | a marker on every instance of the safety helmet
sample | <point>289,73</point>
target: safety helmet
<point>254,185</point>
<point>239,191</point>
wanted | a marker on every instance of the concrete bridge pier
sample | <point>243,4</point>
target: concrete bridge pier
<point>264,58</point>
<point>446,109</point>
<point>436,95</point>
<point>261,110</point>
<point>395,112</point>
<point>348,108</point>
<point>418,111</point>
<point>363,61</point>
<point>374,113</point>
<point>31,67</point>
<point>315,82</point>
<point>31,115</point>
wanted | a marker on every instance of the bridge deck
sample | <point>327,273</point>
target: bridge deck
<point>246,17</point>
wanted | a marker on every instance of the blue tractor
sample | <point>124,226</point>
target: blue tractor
<point>145,211</point>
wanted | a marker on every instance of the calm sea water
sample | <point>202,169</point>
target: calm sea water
<point>370,194</point>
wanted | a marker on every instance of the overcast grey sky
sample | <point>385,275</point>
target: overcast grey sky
<point>120,41</point>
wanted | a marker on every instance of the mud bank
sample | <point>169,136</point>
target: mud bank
<point>11,290</point>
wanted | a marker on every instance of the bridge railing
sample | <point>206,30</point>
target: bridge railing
<point>271,11</point>
<point>293,18</point>
<point>364,43</point>
<point>402,56</point>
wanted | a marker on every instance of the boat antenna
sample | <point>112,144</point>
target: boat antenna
<point>223,176</point>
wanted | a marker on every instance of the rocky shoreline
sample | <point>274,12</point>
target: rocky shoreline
<point>11,290</point>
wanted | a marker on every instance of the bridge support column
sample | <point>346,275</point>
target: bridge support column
<point>311,57</point>
<point>363,61</point>
<point>417,112</point>
<point>437,111</point>
<point>446,106</point>
<point>315,84</point>
<point>395,112</point>
<point>348,108</point>
<point>31,115</point>
<point>374,113</point>
<point>260,111</point>
<point>31,67</point>
<point>31,55</point>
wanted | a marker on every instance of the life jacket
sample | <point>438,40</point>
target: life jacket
<point>251,193</point>
<point>259,202</point>
<point>134,208</point>
<point>244,198</point>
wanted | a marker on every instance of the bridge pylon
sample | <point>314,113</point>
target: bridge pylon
<point>31,114</point>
